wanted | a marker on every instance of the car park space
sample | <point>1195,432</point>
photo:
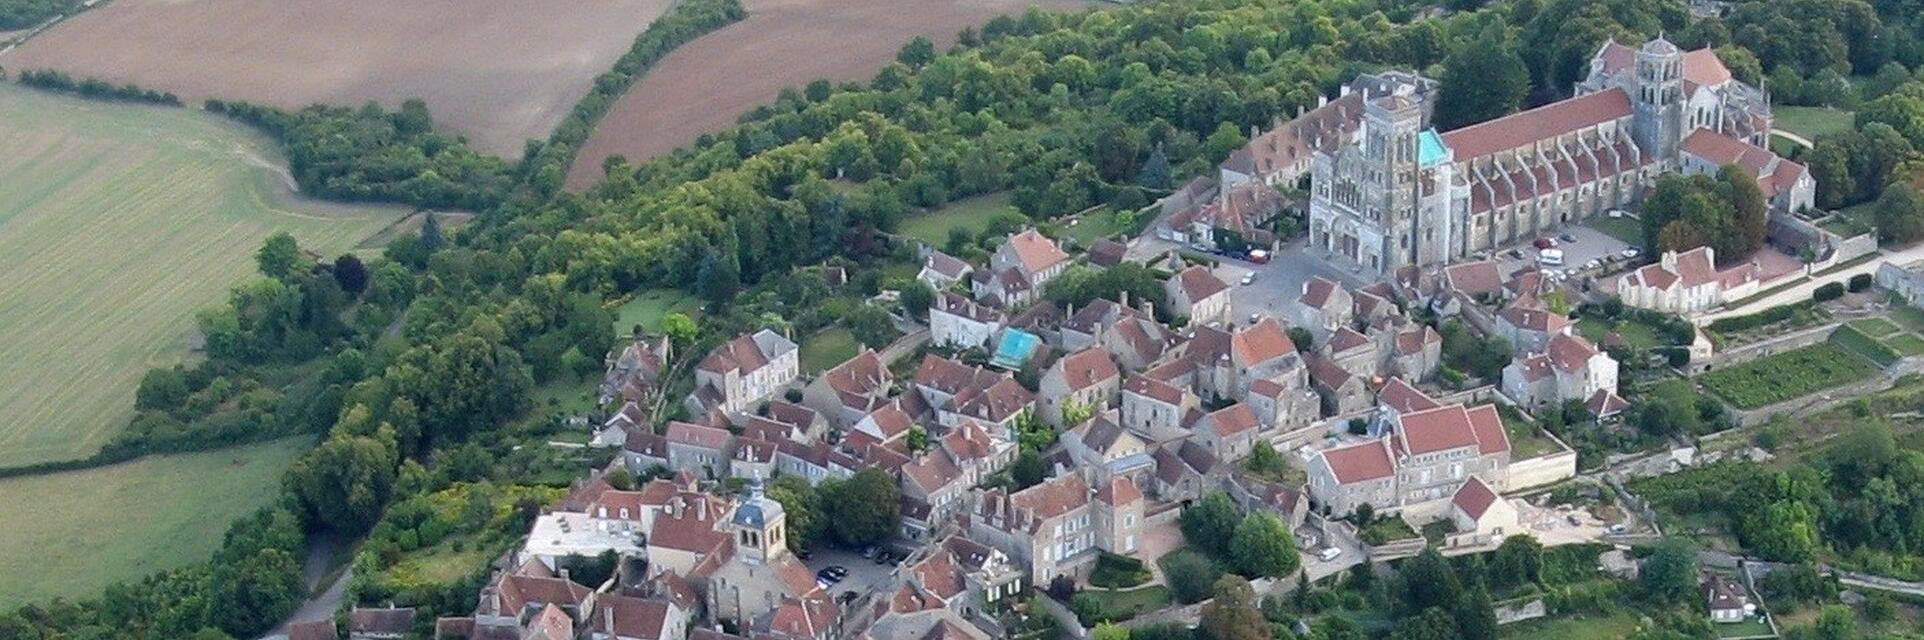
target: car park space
<point>858,574</point>
<point>1583,251</point>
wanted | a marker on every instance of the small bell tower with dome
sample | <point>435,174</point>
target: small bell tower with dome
<point>760,527</point>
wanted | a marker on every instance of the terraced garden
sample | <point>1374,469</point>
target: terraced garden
<point>1788,375</point>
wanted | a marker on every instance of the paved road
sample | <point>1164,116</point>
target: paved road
<point>1802,290</point>
<point>1794,138</point>
<point>319,607</point>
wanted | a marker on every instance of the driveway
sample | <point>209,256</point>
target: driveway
<point>1157,541</point>
<point>1552,525</point>
<point>863,573</point>
<point>1340,538</point>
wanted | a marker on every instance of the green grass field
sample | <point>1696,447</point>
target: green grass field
<point>1811,122</point>
<point>969,213</point>
<point>1875,327</point>
<point>1856,340</point>
<point>1636,335</point>
<point>1097,225</point>
<point>1626,229</point>
<point>1788,375</point>
<point>822,351</point>
<point>648,307</point>
<point>1906,344</point>
<point>70,534</point>
<point>117,223</point>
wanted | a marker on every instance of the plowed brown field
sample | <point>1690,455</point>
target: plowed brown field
<point>705,84</point>
<point>497,71</point>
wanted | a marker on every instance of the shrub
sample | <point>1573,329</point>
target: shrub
<point>1860,282</point>
<point>1828,292</point>
<point>1761,318</point>
<point>1117,572</point>
<point>1062,588</point>
<point>1191,576</point>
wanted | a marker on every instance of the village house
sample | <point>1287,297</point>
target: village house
<point>383,623</point>
<point>744,371</point>
<point>1352,351</point>
<point>1686,283</point>
<point>1288,504</point>
<point>1018,270</point>
<point>520,602</point>
<point>619,617</point>
<point>851,390</point>
<point>1417,466</point>
<point>940,589</point>
<point>755,574</point>
<point>643,450</point>
<point>941,271</point>
<point>1569,368</point>
<point>1186,470</point>
<point>1229,432</point>
<point>702,449</point>
<point>1418,353</point>
<point>1339,392</point>
<point>1726,599</point>
<point>1234,220</point>
<point>959,323</point>
<point>1787,186</point>
<point>1087,379</point>
<point>1478,511</point>
<point>1057,527</point>
<point>1157,411</point>
<point>1324,307</point>
<point>1528,325</point>
<point>1198,295</point>
<point>634,374</point>
<point>1109,449</point>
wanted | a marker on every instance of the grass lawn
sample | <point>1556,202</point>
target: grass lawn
<point>1783,146</point>
<point>1094,226</point>
<point>1875,327</point>
<point>1387,529</point>
<point>1637,335</point>
<point>1620,624</point>
<point>1811,122</point>
<point>125,521</point>
<point>1626,228</point>
<point>1844,225</point>
<point>1117,606</point>
<point>824,350</point>
<point>1749,628</point>
<point>1526,440</point>
<point>1863,214</point>
<point>648,307</point>
<point>1911,317</point>
<point>969,213</point>
<point>1787,375</point>
<point>1906,344</point>
<point>117,223</point>
<point>1864,345</point>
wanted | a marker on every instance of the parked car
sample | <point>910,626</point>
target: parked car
<point>1249,277</point>
<point>1551,257</point>
<point>1568,238</point>
<point>831,575</point>
<point>883,557</point>
<point>1631,252</point>
<point>1515,254</point>
<point>1545,243</point>
<point>1330,553</point>
<point>1259,256</point>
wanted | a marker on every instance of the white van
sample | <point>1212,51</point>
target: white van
<point>1551,257</point>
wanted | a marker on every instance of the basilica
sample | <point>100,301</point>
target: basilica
<point>1399,193</point>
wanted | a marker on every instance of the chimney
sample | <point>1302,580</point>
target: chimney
<point>608,620</point>
<point>1122,298</point>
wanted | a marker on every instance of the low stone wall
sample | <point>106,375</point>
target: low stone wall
<point>1542,470</point>
<point>1823,400</point>
<point>1508,612</point>
<point>1755,350</point>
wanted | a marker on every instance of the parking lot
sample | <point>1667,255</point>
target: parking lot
<point>1582,246</point>
<point>863,573</point>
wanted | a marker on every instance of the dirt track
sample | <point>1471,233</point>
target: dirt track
<point>705,84</point>
<point>497,71</point>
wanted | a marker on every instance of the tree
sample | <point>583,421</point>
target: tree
<point>799,502</point>
<point>918,439</point>
<point>1211,523</point>
<point>1190,576</point>
<point>1836,622</point>
<point>1435,623</point>
<point>1475,618</point>
<point>1481,80</point>
<point>1155,172</point>
<point>1338,627</point>
<point>1900,214</point>
<point>350,274</point>
<point>916,299</point>
<point>1263,547</point>
<point>161,389</point>
<point>871,325</point>
<point>343,483</point>
<point>679,328</point>
<point>279,256</point>
<point>1747,200</point>
<point>1426,581</point>
<point>1669,575</point>
<point>431,238</point>
<point>864,510</point>
<point>1028,469</point>
<point>1518,561</point>
<point>1109,631</point>
<point>919,52</point>
<point>1233,614</point>
<point>718,278</point>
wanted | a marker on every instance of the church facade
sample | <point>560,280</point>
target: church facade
<point>1402,194</point>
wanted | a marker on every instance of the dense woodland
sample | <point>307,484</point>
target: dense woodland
<point>20,14</point>
<point>418,365</point>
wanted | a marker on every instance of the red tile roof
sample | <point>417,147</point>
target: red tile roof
<point>1605,403</point>
<point>1153,389</point>
<point>698,436</point>
<point>1345,339</point>
<point>1053,497</point>
<point>1413,341</point>
<point>1318,291</point>
<point>1481,276</point>
<point>1570,353</point>
<point>1542,123</point>
<point>931,471</point>
<point>1399,395</point>
<point>1119,490</point>
<point>1474,498</point>
<point>1036,251</point>
<point>1233,420</point>
<point>1488,425</point>
<point>1261,342</point>
<point>1440,429</point>
<point>1197,283</point>
<point>629,617</point>
<point>1087,368</point>
<point>1359,462</point>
